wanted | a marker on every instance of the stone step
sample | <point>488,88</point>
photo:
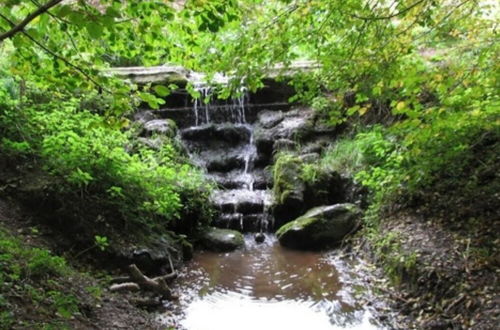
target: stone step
<point>242,201</point>
<point>254,222</point>
<point>257,179</point>
<point>185,116</point>
<point>229,133</point>
<point>222,163</point>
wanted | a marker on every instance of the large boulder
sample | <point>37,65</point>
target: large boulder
<point>222,240</point>
<point>320,227</point>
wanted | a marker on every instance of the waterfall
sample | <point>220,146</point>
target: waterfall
<point>207,104</point>
<point>222,137</point>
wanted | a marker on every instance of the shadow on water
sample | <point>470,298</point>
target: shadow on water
<point>265,286</point>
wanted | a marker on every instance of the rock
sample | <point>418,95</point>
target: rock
<point>144,116</point>
<point>328,188</point>
<point>165,74</point>
<point>320,227</point>
<point>295,124</point>
<point>235,179</point>
<point>155,254</point>
<point>160,126</point>
<point>315,147</point>
<point>263,179</point>
<point>259,237</point>
<point>241,200</point>
<point>288,189</point>
<point>207,134</point>
<point>229,221</point>
<point>215,162</point>
<point>269,119</point>
<point>222,240</point>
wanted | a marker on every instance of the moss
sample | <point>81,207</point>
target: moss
<point>298,224</point>
<point>320,227</point>
<point>286,174</point>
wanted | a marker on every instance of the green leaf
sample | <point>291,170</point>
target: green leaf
<point>161,90</point>
<point>77,18</point>
<point>64,10</point>
<point>94,30</point>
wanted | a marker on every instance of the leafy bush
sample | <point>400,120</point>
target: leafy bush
<point>93,158</point>
<point>350,155</point>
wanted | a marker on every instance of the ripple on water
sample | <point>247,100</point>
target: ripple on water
<point>265,286</point>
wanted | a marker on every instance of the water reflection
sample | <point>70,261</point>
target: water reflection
<point>266,287</point>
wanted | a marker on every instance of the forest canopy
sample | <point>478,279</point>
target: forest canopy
<point>431,64</point>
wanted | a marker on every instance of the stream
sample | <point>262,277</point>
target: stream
<point>266,286</point>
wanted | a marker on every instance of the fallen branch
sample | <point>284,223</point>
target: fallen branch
<point>125,279</point>
<point>159,285</point>
<point>122,287</point>
<point>168,278</point>
<point>120,280</point>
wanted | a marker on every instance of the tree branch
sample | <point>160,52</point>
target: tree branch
<point>401,12</point>
<point>20,27</point>
<point>53,54</point>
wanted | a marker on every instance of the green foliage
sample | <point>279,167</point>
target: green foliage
<point>37,289</point>
<point>101,242</point>
<point>94,158</point>
<point>35,263</point>
<point>349,156</point>
<point>42,263</point>
<point>65,305</point>
<point>397,264</point>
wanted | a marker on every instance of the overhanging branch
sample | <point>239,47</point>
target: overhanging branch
<point>20,27</point>
<point>57,56</point>
<point>401,12</point>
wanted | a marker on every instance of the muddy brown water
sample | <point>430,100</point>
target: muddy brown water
<point>265,286</point>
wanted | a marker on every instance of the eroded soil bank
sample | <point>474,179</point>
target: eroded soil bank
<point>444,274</point>
<point>73,299</point>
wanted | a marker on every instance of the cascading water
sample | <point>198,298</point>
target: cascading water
<point>229,158</point>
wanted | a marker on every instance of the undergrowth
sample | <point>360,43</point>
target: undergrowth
<point>90,158</point>
<point>32,290</point>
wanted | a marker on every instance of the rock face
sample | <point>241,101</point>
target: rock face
<point>222,240</point>
<point>320,227</point>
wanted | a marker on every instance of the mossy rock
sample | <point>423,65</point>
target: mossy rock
<point>320,227</point>
<point>222,240</point>
<point>288,188</point>
<point>166,127</point>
